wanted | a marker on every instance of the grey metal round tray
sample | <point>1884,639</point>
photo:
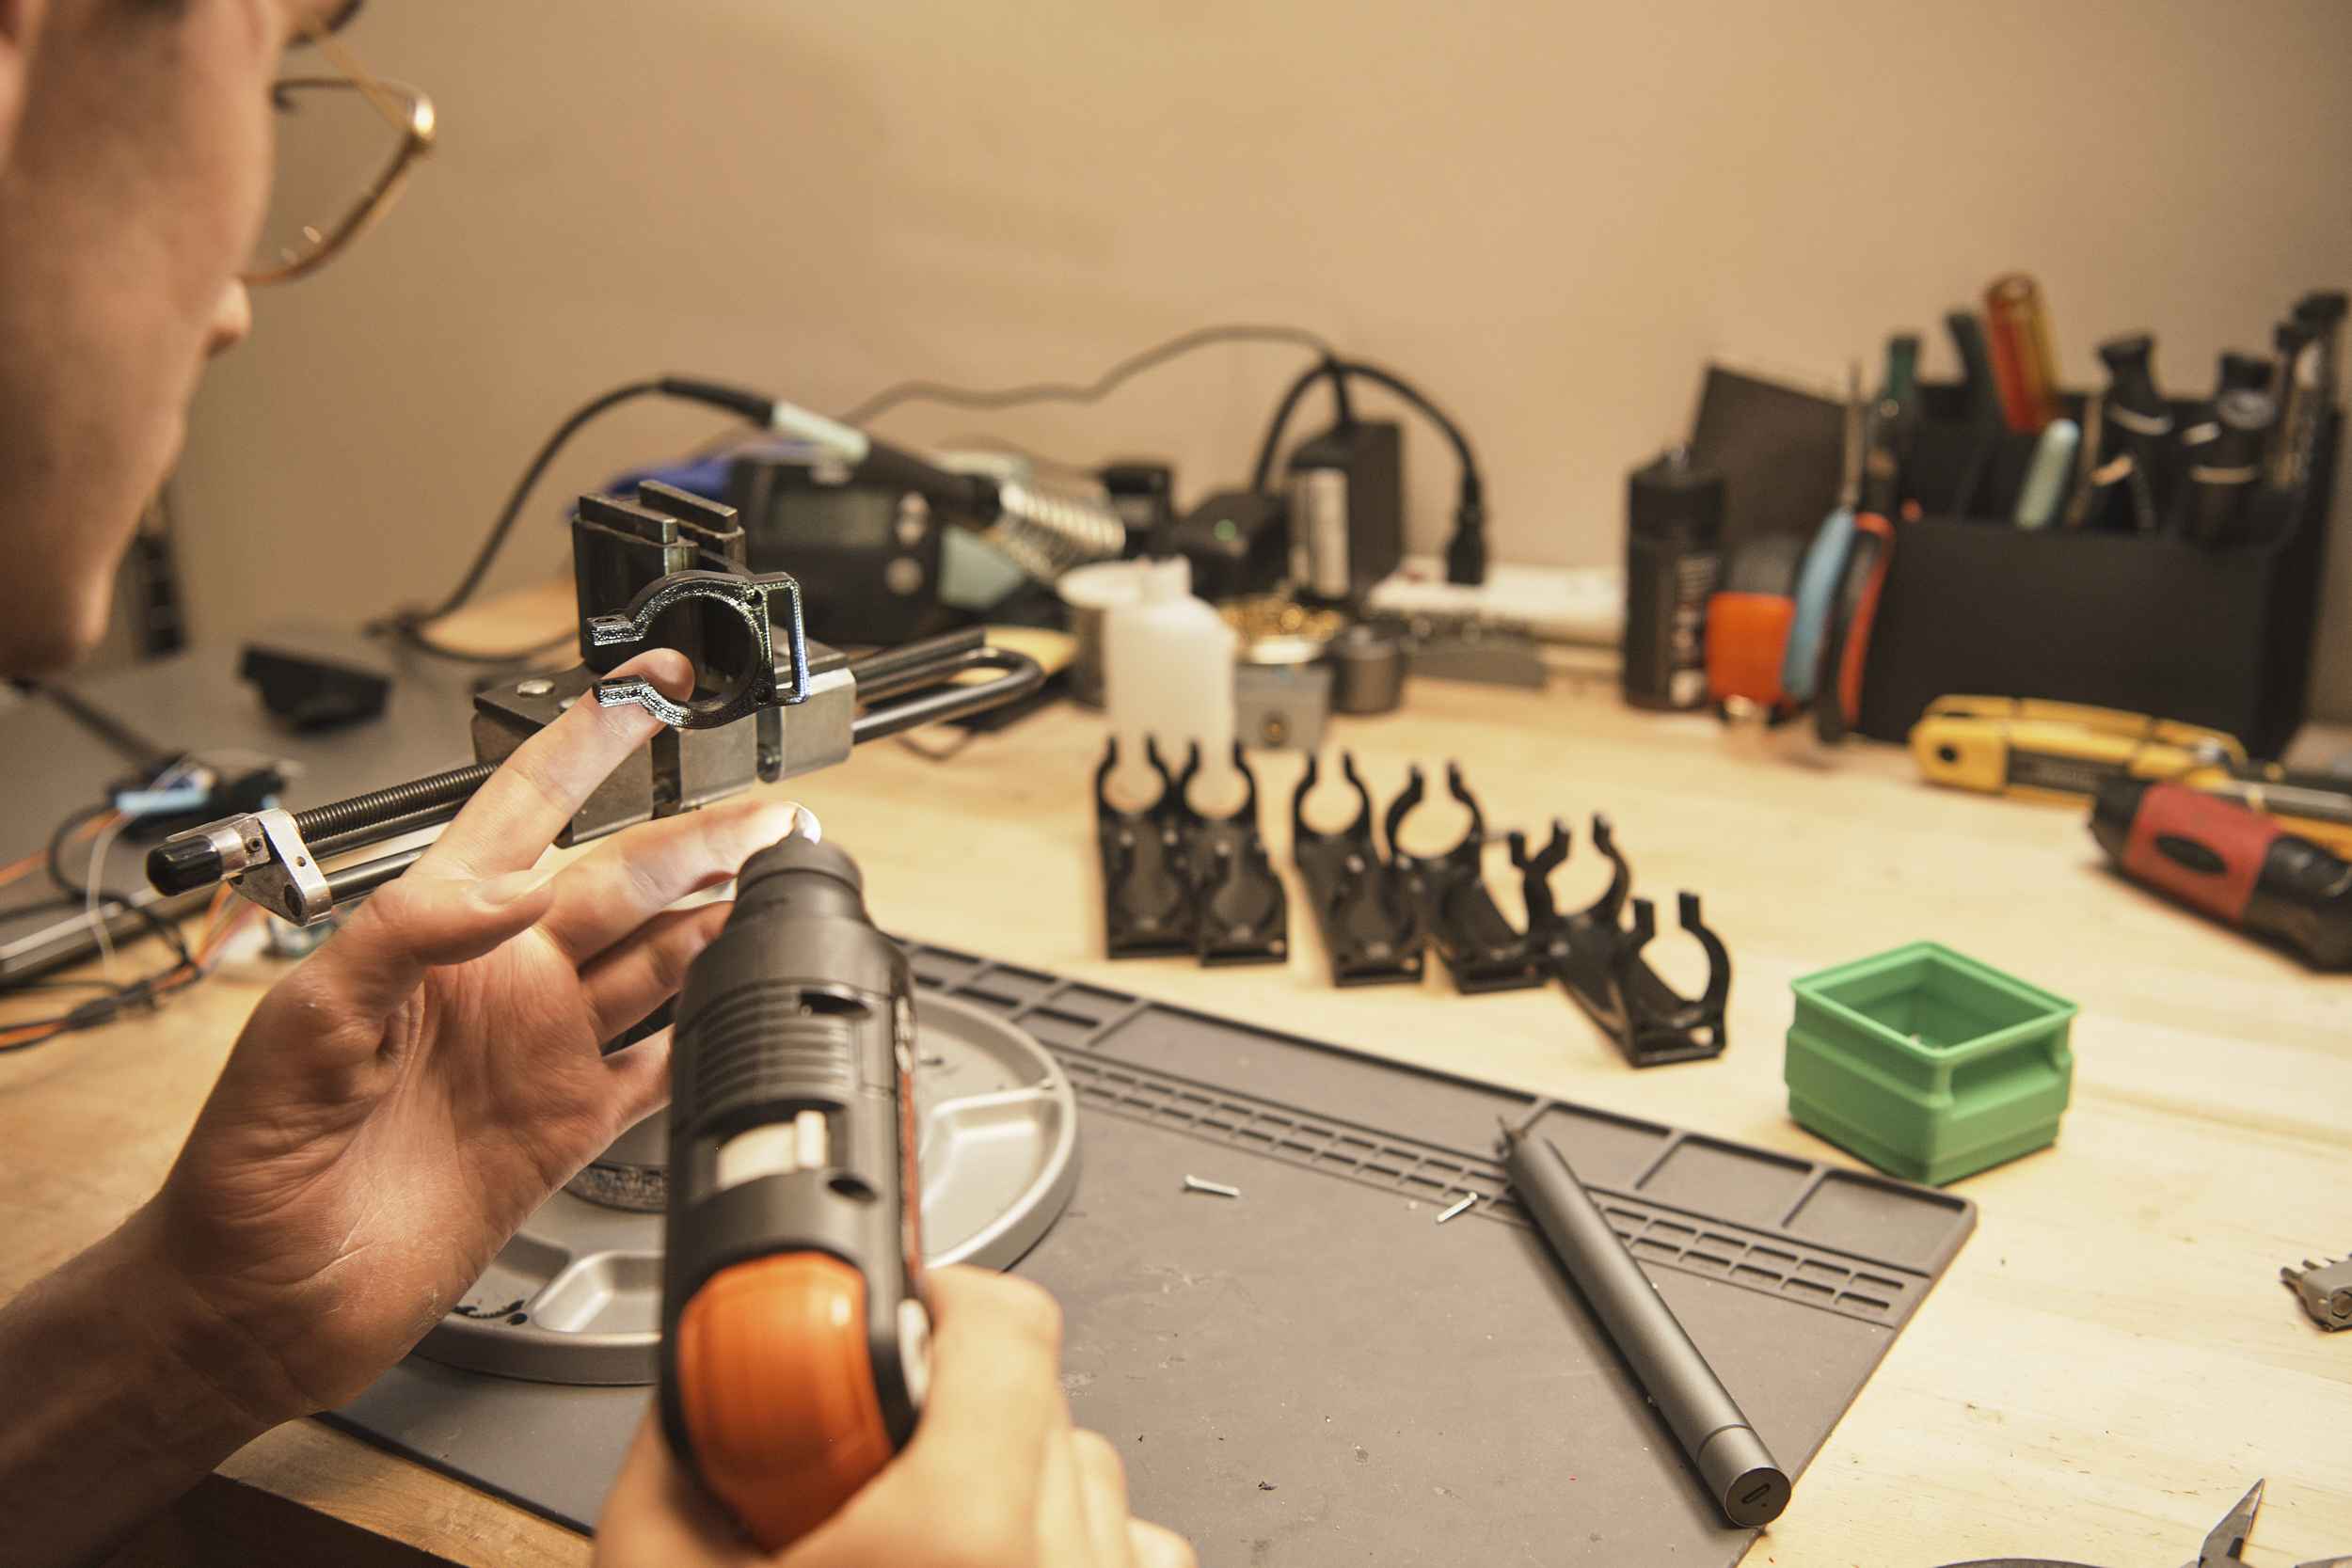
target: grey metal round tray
<point>575,1296</point>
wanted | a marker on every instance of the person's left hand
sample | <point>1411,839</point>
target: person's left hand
<point>401,1101</point>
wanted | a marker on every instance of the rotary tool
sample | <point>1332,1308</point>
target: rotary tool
<point>795,1341</point>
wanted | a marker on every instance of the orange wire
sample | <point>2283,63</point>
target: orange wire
<point>88,830</point>
<point>219,928</point>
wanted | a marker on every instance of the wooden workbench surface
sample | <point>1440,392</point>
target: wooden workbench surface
<point>2107,1366</point>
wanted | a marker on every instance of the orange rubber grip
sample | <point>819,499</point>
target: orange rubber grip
<point>775,1381</point>
<point>1746,635</point>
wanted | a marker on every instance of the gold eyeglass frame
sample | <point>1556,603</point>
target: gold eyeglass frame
<point>405,108</point>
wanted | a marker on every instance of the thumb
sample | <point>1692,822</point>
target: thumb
<point>416,922</point>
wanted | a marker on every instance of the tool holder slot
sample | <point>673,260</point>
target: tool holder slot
<point>1600,959</point>
<point>1478,945</point>
<point>1241,913</point>
<point>1148,905</point>
<point>1370,924</point>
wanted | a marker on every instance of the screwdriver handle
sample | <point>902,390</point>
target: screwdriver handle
<point>2243,372</point>
<point>2226,469</point>
<point>2026,374</point>
<point>1975,368</point>
<point>2142,424</point>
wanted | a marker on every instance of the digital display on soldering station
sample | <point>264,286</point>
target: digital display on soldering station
<point>846,517</point>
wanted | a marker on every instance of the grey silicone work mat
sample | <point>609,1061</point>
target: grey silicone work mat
<point>1317,1373</point>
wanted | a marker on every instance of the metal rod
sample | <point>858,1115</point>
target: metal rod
<point>380,806</point>
<point>937,670</point>
<point>1023,675</point>
<point>884,677</point>
<point>1746,1483</point>
<point>347,883</point>
<point>376,832</point>
<point>877,672</point>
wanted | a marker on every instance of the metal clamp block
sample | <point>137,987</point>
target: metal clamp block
<point>288,883</point>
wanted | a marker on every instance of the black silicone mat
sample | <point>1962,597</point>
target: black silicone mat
<point>1319,1373</point>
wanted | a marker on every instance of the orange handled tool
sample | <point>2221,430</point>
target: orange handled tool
<point>2024,367</point>
<point>795,1343</point>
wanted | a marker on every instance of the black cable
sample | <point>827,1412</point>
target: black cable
<point>141,752</point>
<point>1473,488</point>
<point>411,619</point>
<point>424,642</point>
<point>1343,411</point>
<point>1466,551</point>
<point>115,998</point>
<point>408,625</point>
<point>82,892</point>
<point>57,839</point>
<point>146,991</point>
<point>1067,391</point>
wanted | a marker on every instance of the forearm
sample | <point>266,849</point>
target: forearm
<point>118,1395</point>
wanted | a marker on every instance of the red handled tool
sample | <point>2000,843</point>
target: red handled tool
<point>2234,865</point>
<point>1837,703</point>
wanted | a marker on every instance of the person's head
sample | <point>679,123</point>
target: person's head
<point>136,150</point>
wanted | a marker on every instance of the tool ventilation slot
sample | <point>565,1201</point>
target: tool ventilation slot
<point>760,1048</point>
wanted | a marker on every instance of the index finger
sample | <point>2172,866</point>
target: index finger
<point>514,817</point>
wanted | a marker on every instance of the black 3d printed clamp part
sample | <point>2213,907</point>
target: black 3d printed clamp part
<point>1147,895</point>
<point>1371,923</point>
<point>1241,915</point>
<point>1602,964</point>
<point>1480,950</point>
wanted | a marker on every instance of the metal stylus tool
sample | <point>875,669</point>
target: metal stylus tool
<point>1740,1472</point>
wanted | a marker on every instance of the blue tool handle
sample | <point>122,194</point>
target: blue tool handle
<point>1818,579</point>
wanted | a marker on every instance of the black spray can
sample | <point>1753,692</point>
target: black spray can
<point>1673,557</point>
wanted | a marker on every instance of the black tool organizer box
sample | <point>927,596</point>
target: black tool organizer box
<point>2100,614</point>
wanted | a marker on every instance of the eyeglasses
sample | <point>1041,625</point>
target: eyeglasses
<point>345,145</point>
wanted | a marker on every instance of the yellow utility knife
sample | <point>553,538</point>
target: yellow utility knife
<point>2059,751</point>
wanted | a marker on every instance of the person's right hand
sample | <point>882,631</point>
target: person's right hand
<point>995,1476</point>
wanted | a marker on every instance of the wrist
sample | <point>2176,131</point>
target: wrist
<point>226,1385</point>
<point>115,1406</point>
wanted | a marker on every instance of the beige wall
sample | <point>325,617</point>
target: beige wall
<point>1549,214</point>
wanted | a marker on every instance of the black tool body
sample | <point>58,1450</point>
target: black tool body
<point>795,1342</point>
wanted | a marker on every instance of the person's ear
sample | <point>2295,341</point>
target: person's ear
<point>20,27</point>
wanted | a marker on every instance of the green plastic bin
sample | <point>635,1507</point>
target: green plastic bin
<point>1927,1064</point>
